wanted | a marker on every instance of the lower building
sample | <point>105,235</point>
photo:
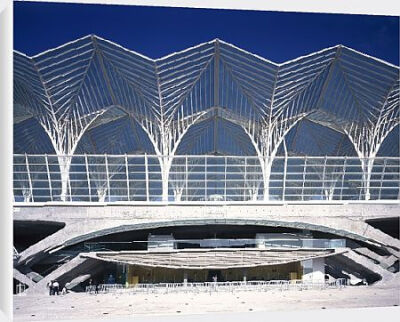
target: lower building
<point>115,243</point>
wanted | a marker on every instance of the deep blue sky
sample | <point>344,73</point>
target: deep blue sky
<point>155,31</point>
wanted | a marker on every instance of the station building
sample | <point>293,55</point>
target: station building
<point>208,164</point>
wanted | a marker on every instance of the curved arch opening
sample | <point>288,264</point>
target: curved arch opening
<point>133,255</point>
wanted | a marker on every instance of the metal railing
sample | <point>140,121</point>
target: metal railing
<point>135,178</point>
<point>204,287</point>
<point>20,289</point>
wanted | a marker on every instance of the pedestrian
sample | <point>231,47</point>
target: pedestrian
<point>96,289</point>
<point>90,287</point>
<point>65,289</point>
<point>50,287</point>
<point>56,287</point>
<point>215,279</point>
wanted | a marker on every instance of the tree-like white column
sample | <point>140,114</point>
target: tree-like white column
<point>182,99</point>
<point>270,99</point>
<point>56,89</point>
<point>91,81</point>
<point>166,138</point>
<point>367,137</point>
<point>266,139</point>
<point>361,100</point>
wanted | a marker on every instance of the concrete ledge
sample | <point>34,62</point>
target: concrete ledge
<point>70,212</point>
<point>203,203</point>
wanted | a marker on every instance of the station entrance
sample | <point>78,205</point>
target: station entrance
<point>132,274</point>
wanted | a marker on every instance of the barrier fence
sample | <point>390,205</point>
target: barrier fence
<point>204,287</point>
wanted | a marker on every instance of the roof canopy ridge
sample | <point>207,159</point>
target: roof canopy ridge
<point>208,42</point>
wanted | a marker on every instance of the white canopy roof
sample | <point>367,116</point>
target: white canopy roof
<point>94,96</point>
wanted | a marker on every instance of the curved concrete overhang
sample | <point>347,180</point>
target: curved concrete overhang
<point>40,222</point>
<point>197,259</point>
<point>85,223</point>
<point>202,222</point>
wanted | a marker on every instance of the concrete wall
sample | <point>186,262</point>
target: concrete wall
<point>86,221</point>
<point>92,220</point>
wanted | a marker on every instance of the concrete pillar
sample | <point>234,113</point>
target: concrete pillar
<point>260,241</point>
<point>185,278</point>
<point>314,270</point>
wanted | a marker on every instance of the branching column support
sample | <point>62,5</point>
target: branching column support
<point>266,139</point>
<point>367,137</point>
<point>279,116</point>
<point>66,127</point>
<point>65,135</point>
<point>366,142</point>
<point>166,125</point>
<point>165,134</point>
<point>268,131</point>
<point>171,134</point>
<point>179,182</point>
<point>163,143</point>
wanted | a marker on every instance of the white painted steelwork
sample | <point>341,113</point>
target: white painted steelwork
<point>94,96</point>
<point>138,178</point>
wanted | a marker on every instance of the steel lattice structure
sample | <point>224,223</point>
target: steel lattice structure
<point>93,96</point>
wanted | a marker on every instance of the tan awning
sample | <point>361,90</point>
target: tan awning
<point>212,258</point>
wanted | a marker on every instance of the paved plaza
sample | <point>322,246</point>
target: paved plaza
<point>90,306</point>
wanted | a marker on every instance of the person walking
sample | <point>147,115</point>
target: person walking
<point>56,287</point>
<point>65,289</point>
<point>90,287</point>
<point>50,287</point>
<point>215,280</point>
